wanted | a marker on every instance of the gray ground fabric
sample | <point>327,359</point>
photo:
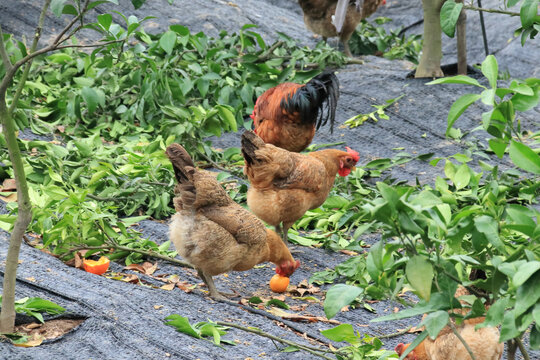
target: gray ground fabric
<point>125,321</point>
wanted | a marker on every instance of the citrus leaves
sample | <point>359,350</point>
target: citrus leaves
<point>449,16</point>
<point>420,274</point>
<point>501,122</point>
<point>338,296</point>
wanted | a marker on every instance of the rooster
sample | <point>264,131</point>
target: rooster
<point>284,184</point>
<point>215,234</point>
<point>289,114</point>
<point>330,18</point>
<point>484,342</point>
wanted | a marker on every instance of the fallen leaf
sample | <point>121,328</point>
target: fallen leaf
<point>135,267</point>
<point>296,317</point>
<point>130,278</point>
<point>31,278</point>
<point>149,268</point>
<point>349,252</point>
<point>185,287</point>
<point>78,261</point>
<point>9,185</point>
<point>157,307</point>
<point>168,287</point>
<point>61,128</point>
<point>10,198</point>
<point>33,326</point>
<point>34,340</point>
<point>345,308</point>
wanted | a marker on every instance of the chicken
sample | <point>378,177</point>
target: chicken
<point>288,115</point>
<point>330,18</point>
<point>284,185</point>
<point>215,234</point>
<point>484,342</point>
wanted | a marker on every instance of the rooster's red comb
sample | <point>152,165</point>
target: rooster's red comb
<point>353,153</point>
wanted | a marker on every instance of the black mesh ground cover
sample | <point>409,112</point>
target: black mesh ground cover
<point>126,320</point>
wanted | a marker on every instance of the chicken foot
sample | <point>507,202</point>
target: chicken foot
<point>213,291</point>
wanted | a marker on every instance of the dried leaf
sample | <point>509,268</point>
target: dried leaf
<point>168,287</point>
<point>185,287</point>
<point>135,267</point>
<point>34,340</point>
<point>349,252</point>
<point>296,317</point>
<point>149,268</point>
<point>157,307</point>
<point>9,185</point>
<point>10,198</point>
<point>61,128</point>
<point>31,278</point>
<point>78,261</point>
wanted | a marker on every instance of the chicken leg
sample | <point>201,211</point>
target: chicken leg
<point>213,292</point>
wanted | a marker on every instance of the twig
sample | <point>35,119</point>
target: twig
<point>37,36</point>
<point>399,333</point>
<point>267,54</point>
<point>522,349</point>
<point>311,350</point>
<point>87,45</point>
<point>5,57</point>
<point>72,22</point>
<point>276,318</point>
<point>496,11</point>
<point>100,198</point>
<point>458,335</point>
<point>125,248</point>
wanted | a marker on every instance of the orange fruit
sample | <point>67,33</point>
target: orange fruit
<point>279,283</point>
<point>97,267</point>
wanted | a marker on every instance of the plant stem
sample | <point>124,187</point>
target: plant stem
<point>125,248</point>
<point>496,11</point>
<point>522,349</point>
<point>458,335</point>
<point>3,53</point>
<point>399,333</point>
<point>311,350</point>
<point>28,65</point>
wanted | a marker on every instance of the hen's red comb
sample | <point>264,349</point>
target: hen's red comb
<point>353,153</point>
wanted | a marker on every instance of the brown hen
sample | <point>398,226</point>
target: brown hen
<point>284,184</point>
<point>215,234</point>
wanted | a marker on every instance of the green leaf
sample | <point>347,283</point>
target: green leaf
<point>343,332</point>
<point>490,228</point>
<point>459,107</point>
<point>105,20</point>
<point>449,16</point>
<point>278,303</point>
<point>490,69</point>
<point>524,157</point>
<point>498,146</point>
<point>167,41</point>
<point>525,102</point>
<point>57,6</point>
<point>435,322</point>
<point>228,116</point>
<point>525,271</point>
<point>420,274</point>
<point>91,99</point>
<point>527,294</point>
<point>182,325</point>
<point>462,177</point>
<point>528,12</point>
<point>508,327</point>
<point>338,296</point>
<point>458,79</point>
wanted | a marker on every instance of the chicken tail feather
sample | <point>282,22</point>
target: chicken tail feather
<point>250,143</point>
<point>310,100</point>
<point>180,158</point>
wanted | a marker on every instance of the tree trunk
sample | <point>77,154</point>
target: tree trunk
<point>7,315</point>
<point>461,33</point>
<point>430,61</point>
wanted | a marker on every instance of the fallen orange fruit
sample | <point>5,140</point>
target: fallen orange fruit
<point>279,283</point>
<point>97,267</point>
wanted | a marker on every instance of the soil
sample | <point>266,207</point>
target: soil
<point>125,320</point>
